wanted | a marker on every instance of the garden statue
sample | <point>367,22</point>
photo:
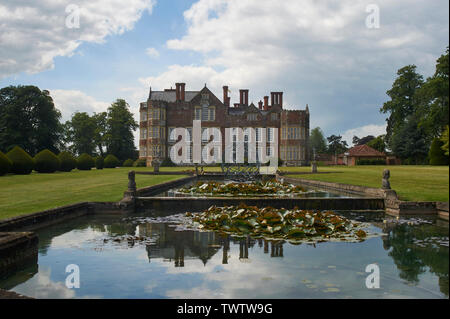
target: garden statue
<point>155,165</point>
<point>131,181</point>
<point>385,183</point>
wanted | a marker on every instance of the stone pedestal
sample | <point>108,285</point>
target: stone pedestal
<point>155,165</point>
<point>314,167</point>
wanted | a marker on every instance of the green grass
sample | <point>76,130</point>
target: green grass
<point>412,183</point>
<point>23,194</point>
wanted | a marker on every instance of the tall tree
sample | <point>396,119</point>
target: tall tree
<point>433,111</point>
<point>317,141</point>
<point>119,134</point>
<point>80,131</point>
<point>100,120</point>
<point>404,100</point>
<point>336,145</point>
<point>378,143</point>
<point>362,141</point>
<point>29,119</point>
<point>410,142</point>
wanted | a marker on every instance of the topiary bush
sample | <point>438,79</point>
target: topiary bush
<point>85,162</point>
<point>142,162</point>
<point>67,161</point>
<point>22,162</point>
<point>437,154</point>
<point>167,162</point>
<point>5,164</point>
<point>111,161</point>
<point>99,162</point>
<point>128,163</point>
<point>46,162</point>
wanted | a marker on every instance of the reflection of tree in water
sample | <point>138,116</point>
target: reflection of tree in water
<point>413,260</point>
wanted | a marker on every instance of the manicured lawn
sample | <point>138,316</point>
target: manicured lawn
<point>412,183</point>
<point>23,194</point>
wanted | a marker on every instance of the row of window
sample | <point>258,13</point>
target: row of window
<point>153,132</point>
<point>269,134</point>
<point>153,150</point>
<point>154,114</point>
<point>205,113</point>
<point>292,153</point>
<point>293,133</point>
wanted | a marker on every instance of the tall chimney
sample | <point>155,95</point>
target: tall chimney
<point>260,104</point>
<point>281,99</point>
<point>243,97</point>
<point>226,100</point>
<point>177,91</point>
<point>182,91</point>
<point>272,98</point>
<point>266,103</point>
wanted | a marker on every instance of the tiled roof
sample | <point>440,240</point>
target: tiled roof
<point>363,150</point>
<point>170,96</point>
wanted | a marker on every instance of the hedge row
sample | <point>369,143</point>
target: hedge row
<point>371,162</point>
<point>17,161</point>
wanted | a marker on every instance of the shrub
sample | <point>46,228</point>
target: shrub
<point>111,161</point>
<point>22,162</point>
<point>128,163</point>
<point>437,154</point>
<point>99,162</point>
<point>377,161</point>
<point>46,162</point>
<point>142,162</point>
<point>67,162</point>
<point>85,162</point>
<point>5,164</point>
<point>167,162</point>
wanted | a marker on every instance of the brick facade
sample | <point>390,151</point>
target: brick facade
<point>165,110</point>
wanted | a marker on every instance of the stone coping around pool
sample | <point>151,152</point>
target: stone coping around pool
<point>17,248</point>
<point>393,205</point>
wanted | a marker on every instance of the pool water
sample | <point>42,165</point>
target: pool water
<point>165,262</point>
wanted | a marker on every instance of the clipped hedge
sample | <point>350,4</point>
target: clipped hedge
<point>85,162</point>
<point>128,163</point>
<point>371,162</point>
<point>99,162</point>
<point>46,162</point>
<point>68,161</point>
<point>111,161</point>
<point>5,164</point>
<point>142,162</point>
<point>22,162</point>
<point>167,162</point>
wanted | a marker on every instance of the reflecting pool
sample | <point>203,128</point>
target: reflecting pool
<point>140,256</point>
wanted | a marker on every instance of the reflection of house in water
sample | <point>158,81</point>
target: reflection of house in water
<point>177,246</point>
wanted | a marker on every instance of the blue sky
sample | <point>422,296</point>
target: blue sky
<point>320,53</point>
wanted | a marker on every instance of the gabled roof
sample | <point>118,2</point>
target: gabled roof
<point>170,95</point>
<point>363,150</point>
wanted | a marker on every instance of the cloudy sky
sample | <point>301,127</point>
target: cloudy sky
<point>320,53</point>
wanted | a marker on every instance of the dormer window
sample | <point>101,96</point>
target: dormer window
<point>252,117</point>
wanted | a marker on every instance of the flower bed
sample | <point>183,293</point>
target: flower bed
<point>294,225</point>
<point>269,188</point>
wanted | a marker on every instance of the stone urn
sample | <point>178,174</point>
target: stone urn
<point>155,165</point>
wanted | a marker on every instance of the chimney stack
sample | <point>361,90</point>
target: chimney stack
<point>243,97</point>
<point>182,91</point>
<point>276,98</point>
<point>177,91</point>
<point>266,103</point>
<point>226,99</point>
<point>260,104</point>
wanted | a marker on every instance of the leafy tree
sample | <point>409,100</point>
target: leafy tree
<point>433,112</point>
<point>336,145</point>
<point>403,100</point>
<point>119,133</point>
<point>362,141</point>
<point>410,142</point>
<point>80,131</point>
<point>378,143</point>
<point>29,119</point>
<point>444,139</point>
<point>100,120</point>
<point>317,141</point>
<point>437,154</point>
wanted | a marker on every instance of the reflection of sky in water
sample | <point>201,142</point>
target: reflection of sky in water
<point>190,264</point>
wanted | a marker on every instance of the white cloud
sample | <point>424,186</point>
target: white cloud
<point>71,101</point>
<point>33,33</point>
<point>320,53</point>
<point>152,52</point>
<point>371,129</point>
